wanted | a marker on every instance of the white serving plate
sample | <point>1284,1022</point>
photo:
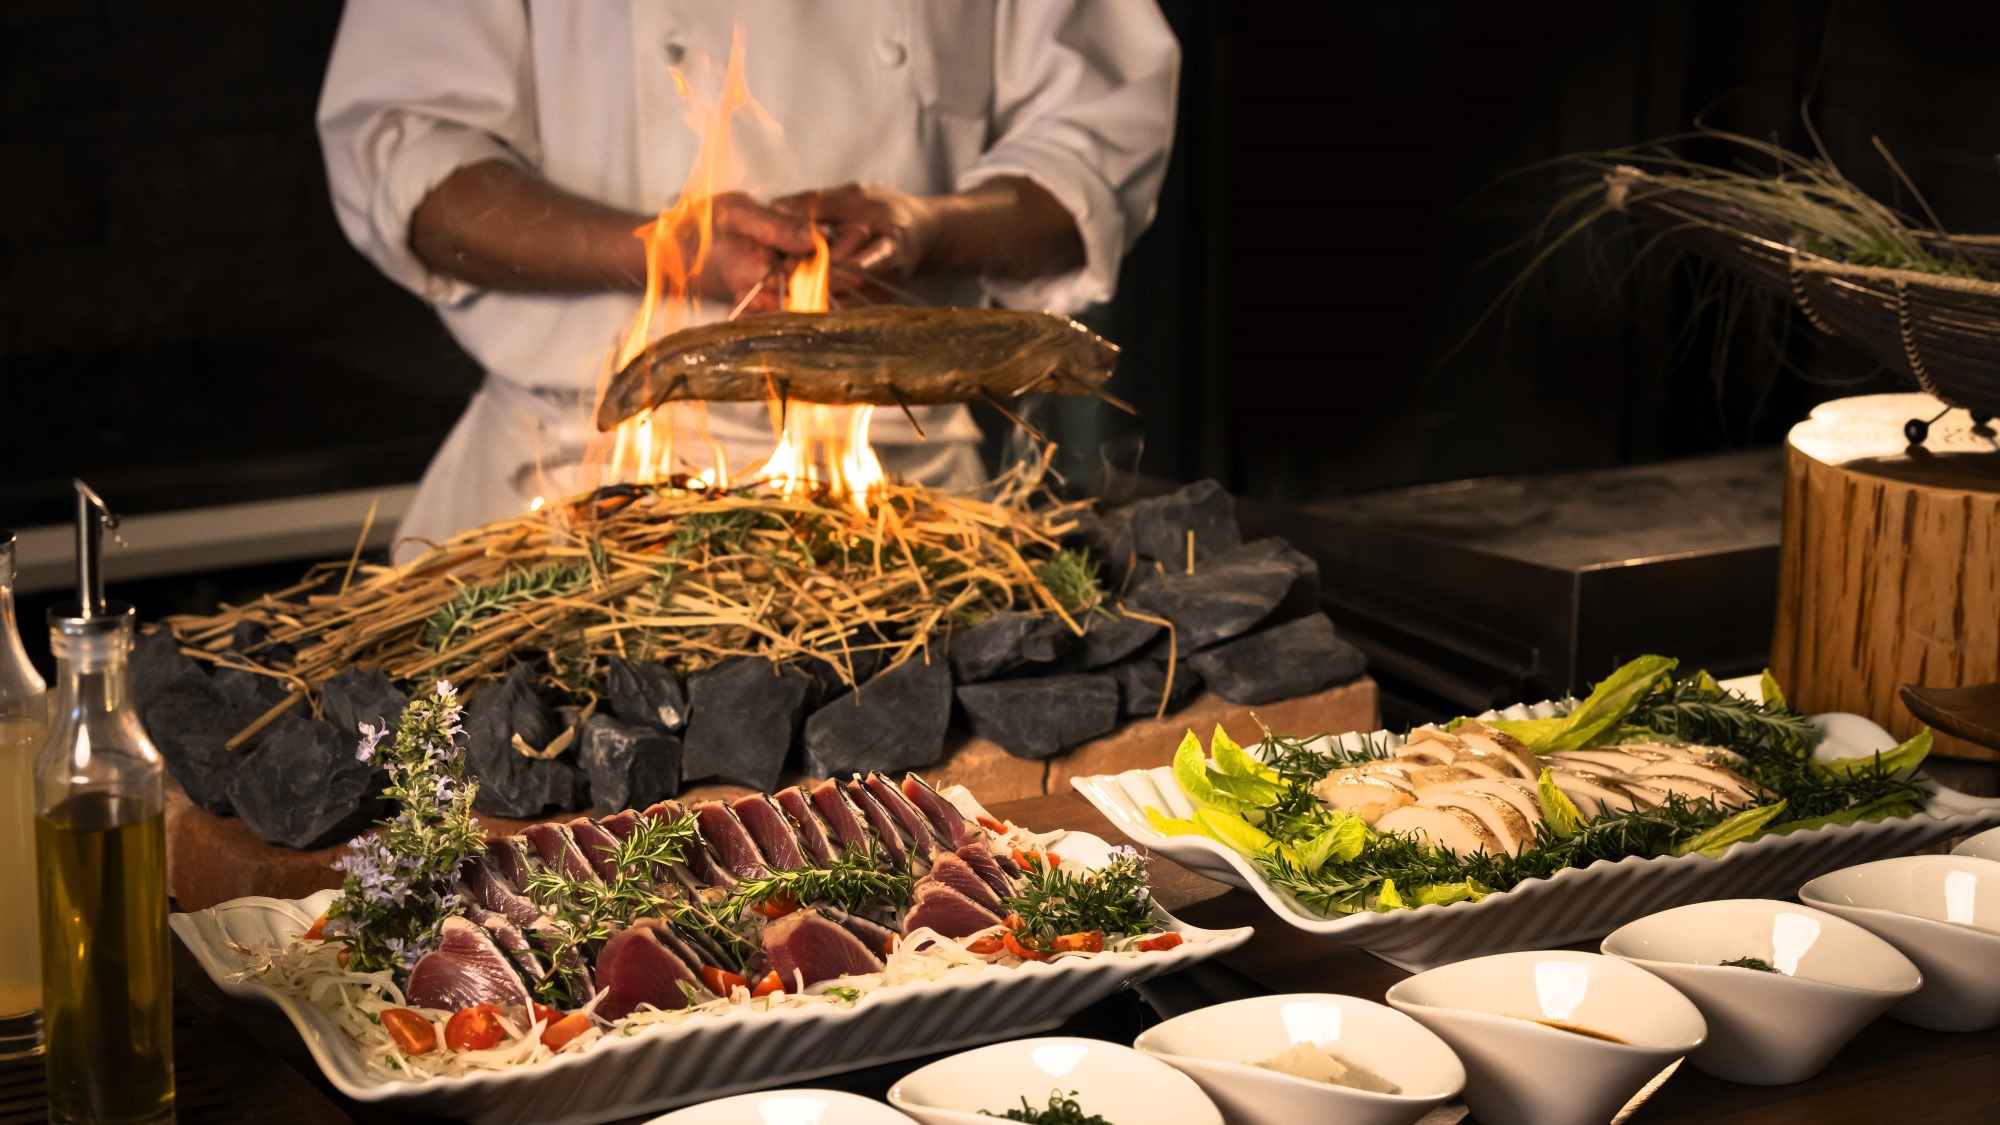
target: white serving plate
<point>709,1056</point>
<point>1574,904</point>
<point>787,1107</point>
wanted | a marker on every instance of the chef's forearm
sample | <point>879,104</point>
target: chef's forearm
<point>1008,228</point>
<point>498,225</point>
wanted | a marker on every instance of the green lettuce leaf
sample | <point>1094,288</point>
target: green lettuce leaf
<point>1745,825</point>
<point>1387,898</point>
<point>1563,817</point>
<point>1608,704</point>
<point>1235,761</point>
<point>1339,844</point>
<point>1774,696</point>
<point>1199,782</point>
<point>1171,826</point>
<point>1245,838</point>
<point>1905,757</point>
<point>1881,808</point>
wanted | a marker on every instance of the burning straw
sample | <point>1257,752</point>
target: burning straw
<point>671,575</point>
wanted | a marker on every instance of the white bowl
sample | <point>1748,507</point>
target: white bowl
<point>1769,1029</point>
<point>1986,845</point>
<point>787,1107</point>
<point>1521,1072</point>
<point>1217,1045</point>
<point>1114,1081</point>
<point>1943,912</point>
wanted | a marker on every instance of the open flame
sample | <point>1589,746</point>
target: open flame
<point>821,451</point>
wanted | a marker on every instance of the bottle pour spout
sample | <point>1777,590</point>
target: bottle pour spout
<point>93,518</point>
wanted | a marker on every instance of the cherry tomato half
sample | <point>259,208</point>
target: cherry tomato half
<point>720,982</point>
<point>1160,941</point>
<point>557,1035</point>
<point>474,1029</point>
<point>768,985</point>
<point>414,1035</point>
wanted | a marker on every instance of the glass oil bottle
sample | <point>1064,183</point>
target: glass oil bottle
<point>24,712</point>
<point>107,988</point>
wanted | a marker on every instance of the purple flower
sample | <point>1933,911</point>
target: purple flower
<point>445,690</point>
<point>370,739</point>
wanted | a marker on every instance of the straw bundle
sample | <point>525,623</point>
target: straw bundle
<point>668,575</point>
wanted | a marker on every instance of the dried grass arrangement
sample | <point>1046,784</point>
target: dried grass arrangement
<point>677,576</point>
<point>1916,300</point>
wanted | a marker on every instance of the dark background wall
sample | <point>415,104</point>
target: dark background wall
<point>181,320</point>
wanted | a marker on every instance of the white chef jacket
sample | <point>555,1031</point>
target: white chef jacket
<point>926,96</point>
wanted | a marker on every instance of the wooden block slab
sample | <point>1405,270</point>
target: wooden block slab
<point>213,859</point>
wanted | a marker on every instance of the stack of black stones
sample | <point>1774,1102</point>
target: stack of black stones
<point>1246,625</point>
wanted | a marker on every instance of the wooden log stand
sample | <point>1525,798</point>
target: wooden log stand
<point>212,859</point>
<point>1890,567</point>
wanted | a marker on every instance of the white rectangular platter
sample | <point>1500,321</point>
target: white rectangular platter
<point>707,1056</point>
<point>1576,903</point>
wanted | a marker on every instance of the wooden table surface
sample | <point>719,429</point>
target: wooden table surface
<point>239,1062</point>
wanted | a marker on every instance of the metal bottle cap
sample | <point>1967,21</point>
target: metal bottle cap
<point>90,614</point>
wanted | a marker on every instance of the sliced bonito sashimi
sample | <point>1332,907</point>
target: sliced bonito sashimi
<point>1456,830</point>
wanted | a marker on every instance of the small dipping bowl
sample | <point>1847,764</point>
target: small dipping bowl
<point>1216,1046</point>
<point>786,1107</point>
<point>1114,1081</point>
<point>1943,913</point>
<point>1831,979</point>
<point>1986,845</point>
<point>1519,1071</point>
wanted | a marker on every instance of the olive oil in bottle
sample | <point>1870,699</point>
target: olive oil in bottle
<point>24,709</point>
<point>100,858</point>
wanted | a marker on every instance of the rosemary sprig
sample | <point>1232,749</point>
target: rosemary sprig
<point>1692,711</point>
<point>1071,576</point>
<point>851,883</point>
<point>474,605</point>
<point>1114,899</point>
<point>587,911</point>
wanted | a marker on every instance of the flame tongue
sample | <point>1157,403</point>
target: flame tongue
<point>821,449</point>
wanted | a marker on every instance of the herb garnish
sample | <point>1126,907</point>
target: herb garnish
<point>1061,1111</point>
<point>851,883</point>
<point>399,885</point>
<point>1757,963</point>
<point>1112,899</point>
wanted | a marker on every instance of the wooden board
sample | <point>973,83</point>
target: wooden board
<point>1890,565</point>
<point>212,859</point>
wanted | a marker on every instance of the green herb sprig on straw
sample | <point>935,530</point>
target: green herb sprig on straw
<point>399,879</point>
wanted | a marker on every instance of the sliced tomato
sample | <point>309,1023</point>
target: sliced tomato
<point>1160,941</point>
<point>414,1035</point>
<point>1028,860</point>
<point>318,931</point>
<point>542,1014</point>
<point>1088,942</point>
<point>721,982</point>
<point>890,943</point>
<point>993,826</point>
<point>342,958</point>
<point>984,945</point>
<point>777,906</point>
<point>768,985</point>
<point>557,1035</point>
<point>1013,945</point>
<point>474,1029</point>
<point>1011,921</point>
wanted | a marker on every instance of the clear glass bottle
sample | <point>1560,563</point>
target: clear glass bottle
<point>100,846</point>
<point>24,713</point>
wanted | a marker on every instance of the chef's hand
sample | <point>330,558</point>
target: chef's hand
<point>1008,227</point>
<point>750,245</point>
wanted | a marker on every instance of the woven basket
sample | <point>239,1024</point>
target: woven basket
<point>1943,331</point>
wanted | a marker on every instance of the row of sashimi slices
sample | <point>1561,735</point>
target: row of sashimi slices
<point>1474,789</point>
<point>500,948</point>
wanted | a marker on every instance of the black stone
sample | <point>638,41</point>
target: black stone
<point>1008,642</point>
<point>1107,536</point>
<point>511,783</point>
<point>646,693</point>
<point>248,689</point>
<point>1141,683</point>
<point>828,683</point>
<point>1110,639</point>
<point>1220,600</point>
<point>301,786</point>
<point>895,722</point>
<point>362,695</point>
<point>252,639</point>
<point>1160,525</point>
<point>1303,597</point>
<point>189,718</point>
<point>742,716</point>
<point>1282,662</point>
<point>1038,718</point>
<point>631,764</point>
<point>157,660</point>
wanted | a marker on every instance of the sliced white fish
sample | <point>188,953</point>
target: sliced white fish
<point>1455,830</point>
<point>1502,821</point>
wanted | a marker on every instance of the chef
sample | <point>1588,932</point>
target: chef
<point>495,156</point>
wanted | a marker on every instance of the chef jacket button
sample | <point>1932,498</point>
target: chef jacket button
<point>892,53</point>
<point>675,53</point>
